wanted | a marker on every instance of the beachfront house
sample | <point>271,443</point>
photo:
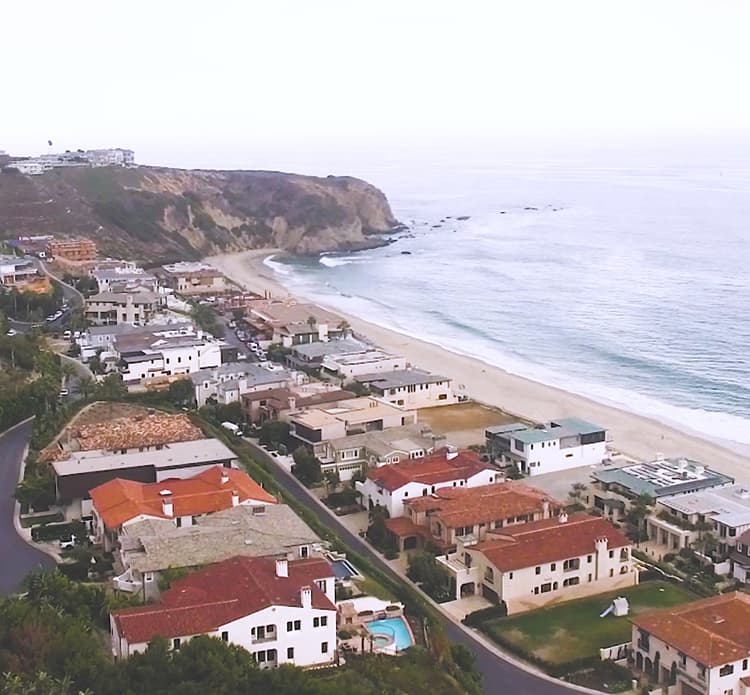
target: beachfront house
<point>391,485</point>
<point>556,446</point>
<point>410,388</point>
<point>113,308</point>
<point>698,648</point>
<point>296,323</point>
<point>282,612</point>
<point>678,521</point>
<point>615,487</point>
<point>541,562</point>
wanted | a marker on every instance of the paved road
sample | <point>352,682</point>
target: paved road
<point>500,677</point>
<point>17,558</point>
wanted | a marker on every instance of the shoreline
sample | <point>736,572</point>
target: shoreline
<point>635,435</point>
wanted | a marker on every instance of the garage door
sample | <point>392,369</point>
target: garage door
<point>688,689</point>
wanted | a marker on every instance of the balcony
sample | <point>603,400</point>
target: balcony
<point>126,583</point>
<point>456,568</point>
<point>267,637</point>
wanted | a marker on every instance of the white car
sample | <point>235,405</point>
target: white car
<point>67,335</point>
<point>68,542</point>
<point>12,332</point>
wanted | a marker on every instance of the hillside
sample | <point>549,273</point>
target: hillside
<point>158,214</point>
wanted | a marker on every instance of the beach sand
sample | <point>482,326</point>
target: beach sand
<point>631,434</point>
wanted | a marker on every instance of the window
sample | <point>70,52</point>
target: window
<point>321,584</point>
<point>571,565</point>
<point>324,647</point>
<point>304,551</point>
<point>225,636</point>
<point>290,652</point>
<point>546,587</point>
<point>510,575</point>
<point>611,554</point>
<point>553,567</point>
<point>744,664</point>
<point>297,625</point>
<point>726,670</point>
<point>316,622</point>
<point>611,573</point>
<point>293,625</point>
<point>489,574</point>
<point>538,570</point>
<point>589,558</point>
<point>176,644</point>
<point>571,581</point>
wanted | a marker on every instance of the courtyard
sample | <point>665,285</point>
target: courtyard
<point>464,424</point>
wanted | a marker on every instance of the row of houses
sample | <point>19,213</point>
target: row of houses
<point>33,166</point>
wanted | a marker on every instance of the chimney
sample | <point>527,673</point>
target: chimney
<point>545,509</point>
<point>563,517</point>
<point>450,452</point>
<point>292,403</point>
<point>305,597</point>
<point>282,568</point>
<point>224,477</point>
<point>235,498</point>
<point>167,507</point>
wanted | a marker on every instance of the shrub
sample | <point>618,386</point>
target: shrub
<point>54,532</point>
<point>476,618</point>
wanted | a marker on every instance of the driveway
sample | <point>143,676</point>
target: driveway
<point>18,557</point>
<point>500,677</point>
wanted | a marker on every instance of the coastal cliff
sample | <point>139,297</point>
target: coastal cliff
<point>158,214</point>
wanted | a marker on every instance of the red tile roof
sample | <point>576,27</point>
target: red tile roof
<point>486,503</point>
<point>211,598</point>
<point>429,470</point>
<point>714,631</point>
<point>118,501</point>
<point>548,540</point>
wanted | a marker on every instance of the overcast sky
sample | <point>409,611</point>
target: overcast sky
<point>193,83</point>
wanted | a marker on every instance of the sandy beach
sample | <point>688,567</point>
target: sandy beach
<point>632,434</point>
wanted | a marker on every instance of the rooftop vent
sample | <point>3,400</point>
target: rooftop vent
<point>165,493</point>
<point>717,619</point>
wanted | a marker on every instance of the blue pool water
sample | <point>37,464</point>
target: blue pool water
<point>394,628</point>
<point>343,569</point>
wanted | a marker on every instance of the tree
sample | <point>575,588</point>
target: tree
<point>182,392</point>
<point>95,363</point>
<point>344,327</point>
<point>425,571</point>
<point>206,319</point>
<point>238,314</point>
<point>311,321</point>
<point>377,532</point>
<point>635,518</point>
<point>306,466</point>
<point>273,433</point>
<point>357,388</point>
<point>86,387</point>
<point>111,388</point>
<point>332,480</point>
<point>36,491</point>
<point>575,496</point>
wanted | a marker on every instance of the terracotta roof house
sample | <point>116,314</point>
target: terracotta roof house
<point>282,612</point>
<point>700,647</point>
<point>541,562</point>
<point>451,512</point>
<point>389,486</point>
<point>276,404</point>
<point>119,502</point>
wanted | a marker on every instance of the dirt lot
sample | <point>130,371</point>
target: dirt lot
<point>463,423</point>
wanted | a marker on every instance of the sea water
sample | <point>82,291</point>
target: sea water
<point>627,283</point>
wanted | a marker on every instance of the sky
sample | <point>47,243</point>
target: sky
<point>232,84</point>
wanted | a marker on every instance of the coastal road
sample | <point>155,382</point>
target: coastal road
<point>500,677</point>
<point>17,558</point>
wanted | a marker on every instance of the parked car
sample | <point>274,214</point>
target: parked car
<point>67,335</point>
<point>12,332</point>
<point>68,542</point>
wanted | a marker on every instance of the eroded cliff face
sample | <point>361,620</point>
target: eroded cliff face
<point>157,214</point>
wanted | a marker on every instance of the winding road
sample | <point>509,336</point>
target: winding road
<point>500,676</point>
<point>17,558</point>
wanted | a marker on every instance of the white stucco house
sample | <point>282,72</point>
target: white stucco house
<point>698,648</point>
<point>281,611</point>
<point>388,486</point>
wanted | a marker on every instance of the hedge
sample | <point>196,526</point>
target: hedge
<point>54,532</point>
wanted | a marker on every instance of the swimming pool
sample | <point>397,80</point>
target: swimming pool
<point>391,634</point>
<point>343,569</point>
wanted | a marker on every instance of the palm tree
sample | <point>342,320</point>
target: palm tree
<point>345,327</point>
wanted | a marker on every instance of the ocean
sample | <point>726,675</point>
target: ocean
<point>623,282</point>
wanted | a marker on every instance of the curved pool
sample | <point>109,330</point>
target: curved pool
<point>391,634</point>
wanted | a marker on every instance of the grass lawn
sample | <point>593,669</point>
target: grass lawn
<point>371,587</point>
<point>574,629</point>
